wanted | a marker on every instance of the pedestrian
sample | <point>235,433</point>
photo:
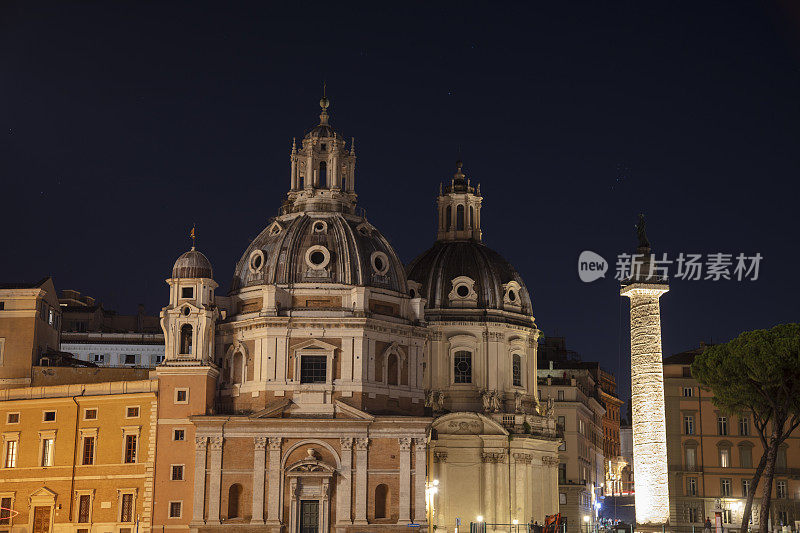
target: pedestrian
<point>707,526</point>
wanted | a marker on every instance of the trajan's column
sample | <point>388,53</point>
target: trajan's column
<point>644,287</point>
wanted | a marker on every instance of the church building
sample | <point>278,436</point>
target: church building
<point>335,389</point>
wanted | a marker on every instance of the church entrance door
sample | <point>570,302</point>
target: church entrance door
<point>309,516</point>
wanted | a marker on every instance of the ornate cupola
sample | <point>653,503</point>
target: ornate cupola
<point>459,209</point>
<point>322,170</point>
<point>189,319</point>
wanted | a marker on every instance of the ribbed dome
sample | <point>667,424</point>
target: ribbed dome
<point>322,247</point>
<point>323,130</point>
<point>436,268</point>
<point>192,264</point>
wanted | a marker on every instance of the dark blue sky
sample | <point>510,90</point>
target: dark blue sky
<point>121,124</point>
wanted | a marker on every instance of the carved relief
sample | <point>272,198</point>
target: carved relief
<point>260,442</point>
<point>493,457</point>
<point>362,443</point>
<point>549,460</point>
<point>524,458</point>
<point>200,443</point>
<point>439,457</point>
<point>405,443</point>
<point>215,443</point>
<point>464,427</point>
<point>275,443</point>
<point>346,443</point>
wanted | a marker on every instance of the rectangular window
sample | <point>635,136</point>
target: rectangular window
<point>691,486</point>
<point>516,371</point>
<point>49,416</point>
<point>11,454</point>
<point>560,395</point>
<point>84,506</point>
<point>687,372</point>
<point>132,412</point>
<point>725,457</point>
<point>187,292</point>
<point>88,450</point>
<point>313,369</point>
<point>745,488</point>
<point>179,434</point>
<point>47,452</point>
<point>462,367</point>
<point>130,359</point>
<point>130,448</point>
<point>175,509</point>
<point>90,414</point>
<point>5,511</point>
<point>99,358</point>
<point>725,484</point>
<point>562,498</point>
<point>783,518</point>
<point>562,472</point>
<point>177,472</point>
<point>726,516</point>
<point>780,489</point>
<point>12,418</point>
<point>687,392</point>
<point>744,426</point>
<point>181,395</point>
<point>688,425</point>
<point>693,514</point>
<point>746,456</point>
<point>722,425</point>
<point>126,510</point>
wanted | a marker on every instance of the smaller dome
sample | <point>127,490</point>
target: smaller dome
<point>322,130</point>
<point>192,264</point>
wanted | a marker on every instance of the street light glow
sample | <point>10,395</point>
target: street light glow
<point>480,518</point>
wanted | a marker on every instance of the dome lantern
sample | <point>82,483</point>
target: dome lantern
<point>459,209</point>
<point>322,176</point>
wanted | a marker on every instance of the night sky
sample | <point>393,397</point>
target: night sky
<point>121,124</point>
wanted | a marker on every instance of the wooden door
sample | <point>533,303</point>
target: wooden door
<point>41,519</point>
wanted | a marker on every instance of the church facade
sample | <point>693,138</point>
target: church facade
<point>335,389</point>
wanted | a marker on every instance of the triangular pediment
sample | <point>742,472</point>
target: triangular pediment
<point>273,410</point>
<point>43,492</point>
<point>314,344</point>
<point>341,408</point>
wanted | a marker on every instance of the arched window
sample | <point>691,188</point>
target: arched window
<point>471,217</point>
<point>323,174</point>
<point>448,217</point>
<point>343,180</point>
<point>460,217</point>
<point>186,339</point>
<point>382,501</point>
<point>462,367</point>
<point>301,181</point>
<point>238,371</point>
<point>234,495</point>
<point>392,370</point>
<point>516,370</point>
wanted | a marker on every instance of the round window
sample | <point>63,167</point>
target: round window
<point>380,263</point>
<point>462,291</point>
<point>256,261</point>
<point>317,258</point>
<point>512,296</point>
<point>186,311</point>
<point>319,227</point>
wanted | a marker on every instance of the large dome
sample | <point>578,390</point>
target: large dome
<point>436,269</point>
<point>320,247</point>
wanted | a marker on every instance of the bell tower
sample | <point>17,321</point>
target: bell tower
<point>459,206</point>
<point>322,176</point>
<point>189,319</point>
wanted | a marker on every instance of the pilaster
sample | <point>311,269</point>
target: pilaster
<point>259,466</point>
<point>362,445</point>
<point>215,483</point>
<point>198,502</point>
<point>273,494</point>
<point>405,481</point>
<point>420,475</point>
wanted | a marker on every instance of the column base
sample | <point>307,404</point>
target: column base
<point>362,522</point>
<point>259,521</point>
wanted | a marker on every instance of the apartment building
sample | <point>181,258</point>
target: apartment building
<point>712,456</point>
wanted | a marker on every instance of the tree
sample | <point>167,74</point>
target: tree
<point>758,374</point>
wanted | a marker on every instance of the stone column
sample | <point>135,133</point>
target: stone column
<point>647,402</point>
<point>198,502</point>
<point>259,466</point>
<point>309,179</point>
<point>362,445</point>
<point>420,477</point>
<point>345,488</point>
<point>275,474</point>
<point>405,481</point>
<point>487,505</point>
<point>215,483</point>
